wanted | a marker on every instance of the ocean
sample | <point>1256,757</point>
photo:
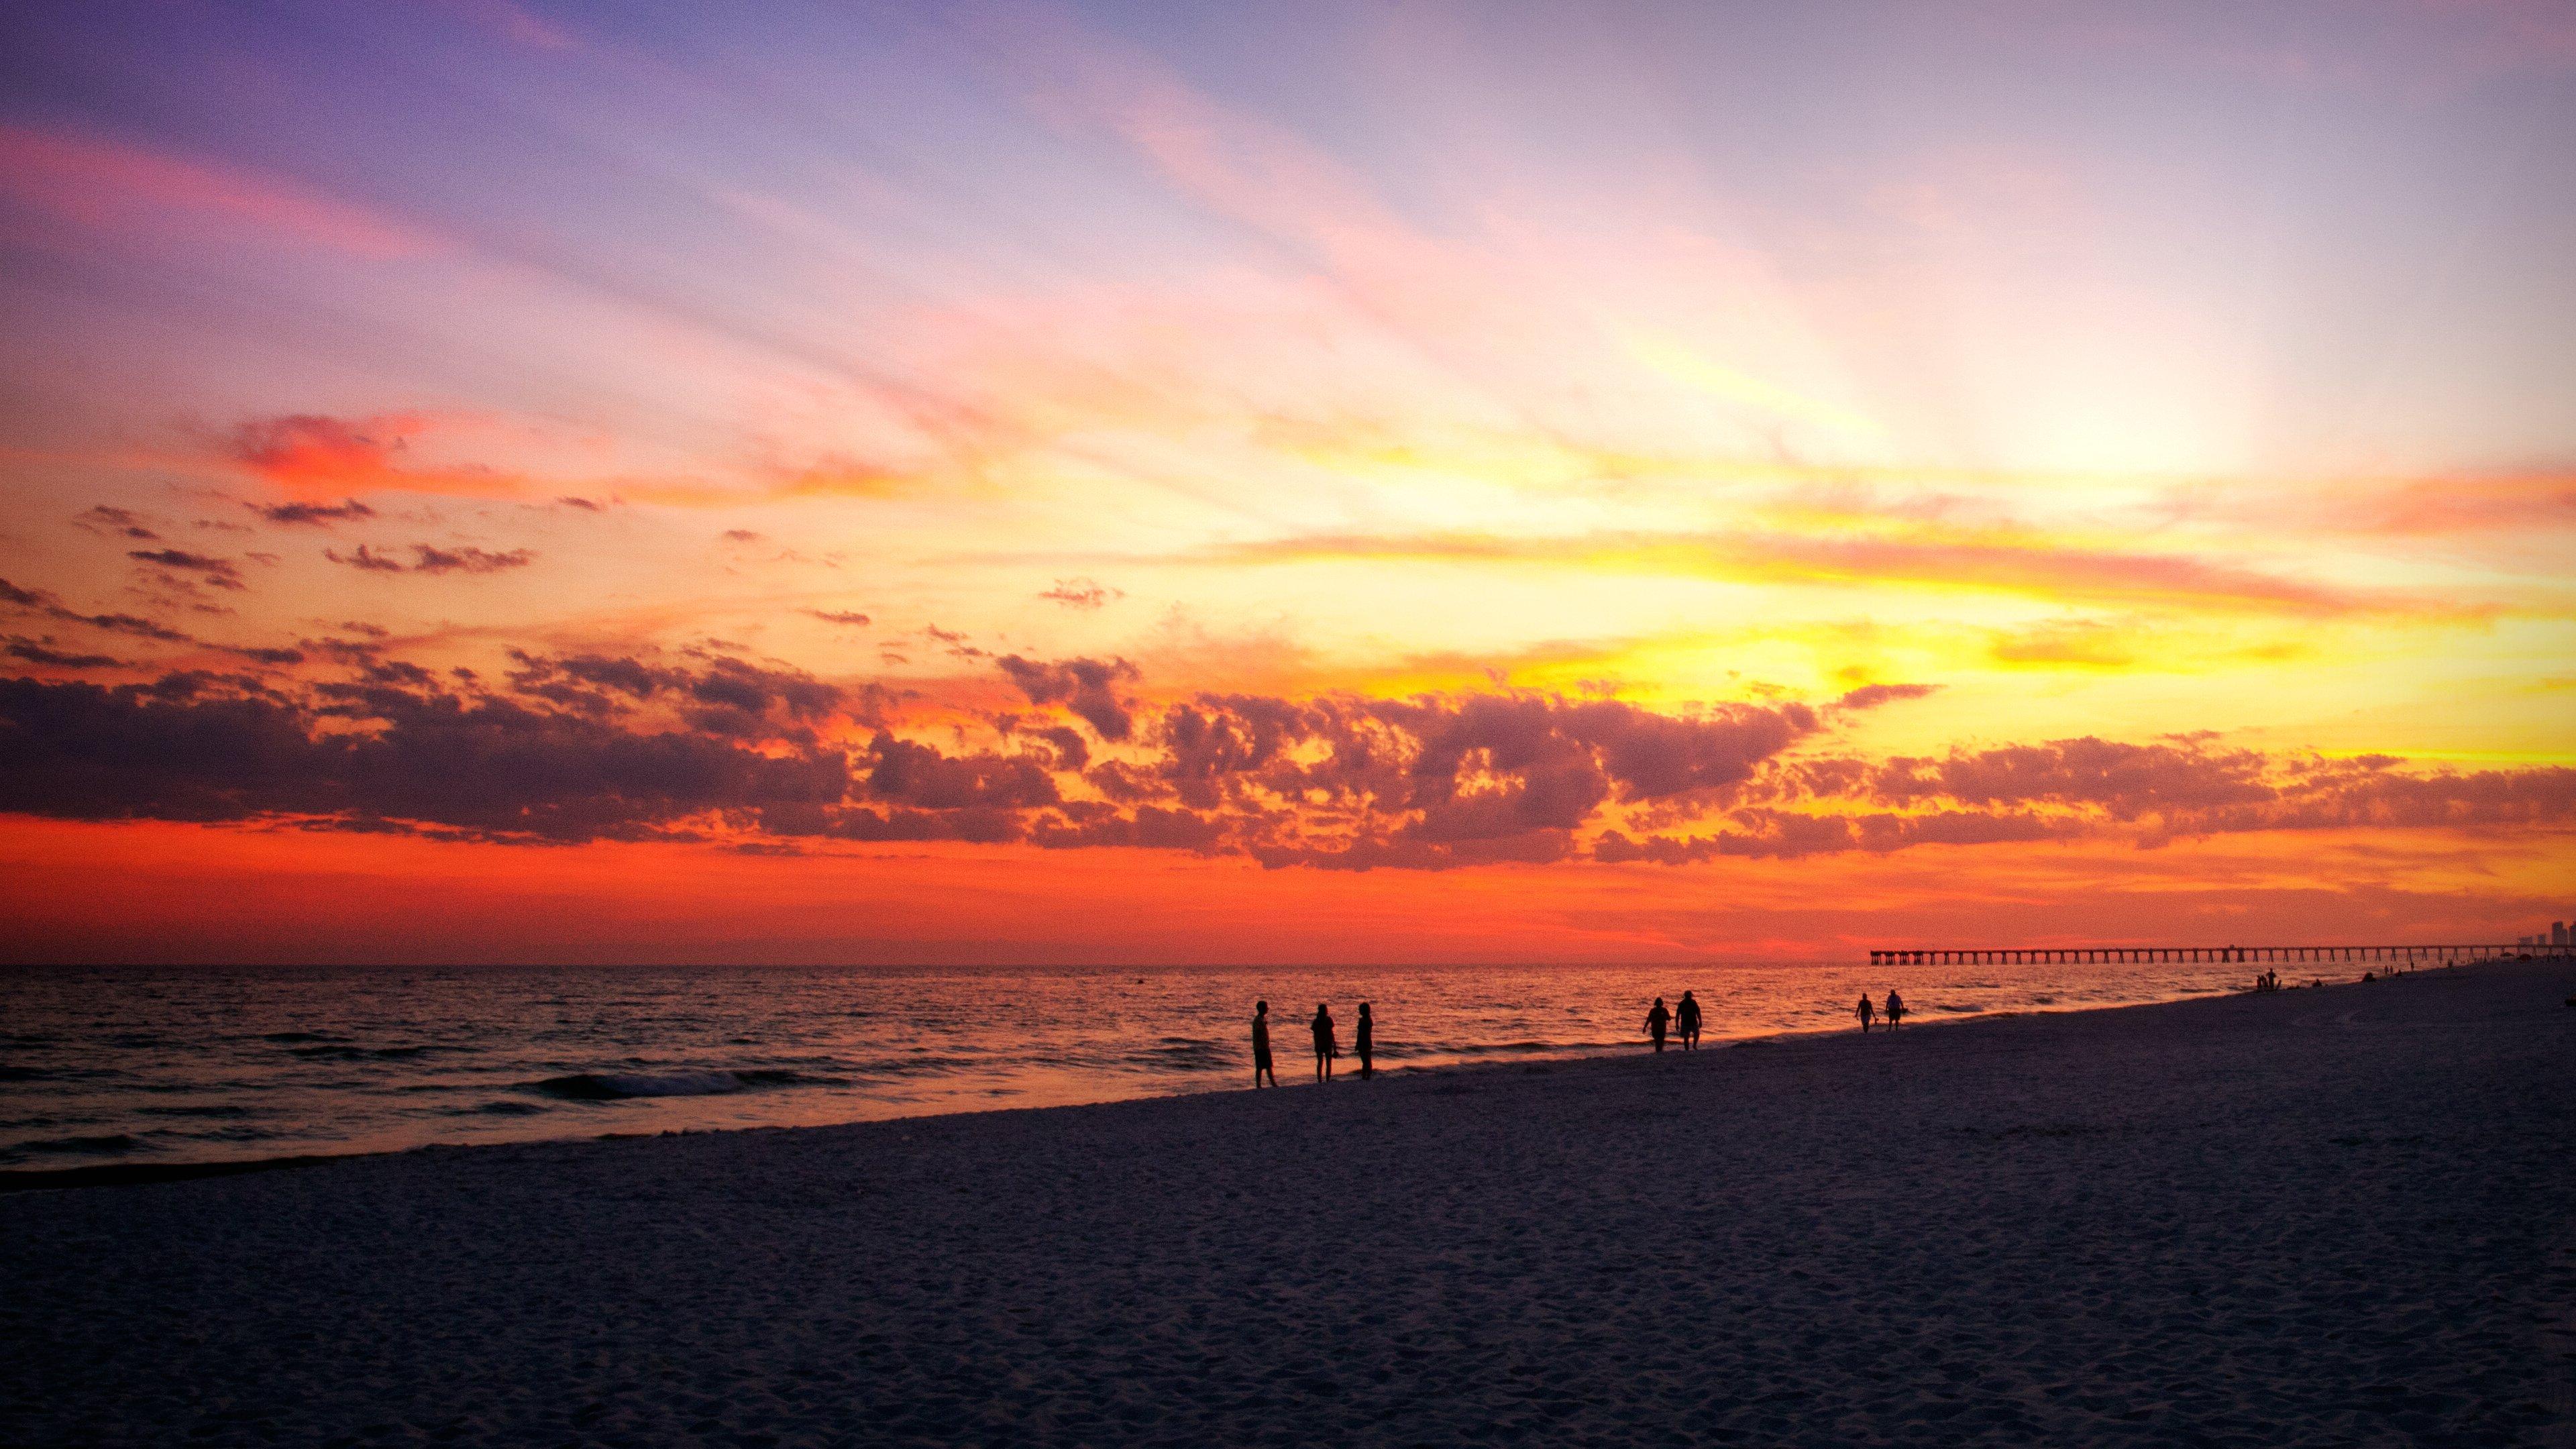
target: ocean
<point>198,1064</point>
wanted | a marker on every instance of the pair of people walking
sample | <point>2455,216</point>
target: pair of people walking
<point>1895,1012</point>
<point>1328,1047</point>
<point>1684,1018</point>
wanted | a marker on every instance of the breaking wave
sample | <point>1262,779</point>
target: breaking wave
<point>104,1143</point>
<point>1186,1054</point>
<point>619,1086</point>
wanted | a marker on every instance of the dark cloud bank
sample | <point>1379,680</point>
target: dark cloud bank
<point>595,747</point>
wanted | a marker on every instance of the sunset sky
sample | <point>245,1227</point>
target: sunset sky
<point>1380,482</point>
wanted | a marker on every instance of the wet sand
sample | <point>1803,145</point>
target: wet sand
<point>2325,1216</point>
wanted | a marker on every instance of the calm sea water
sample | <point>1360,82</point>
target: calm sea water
<point>197,1064</point>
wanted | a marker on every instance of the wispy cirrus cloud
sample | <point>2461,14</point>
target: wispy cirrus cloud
<point>2503,503</point>
<point>516,24</point>
<point>116,187</point>
<point>1995,561</point>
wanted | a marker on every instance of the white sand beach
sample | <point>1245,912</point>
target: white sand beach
<point>2335,1216</point>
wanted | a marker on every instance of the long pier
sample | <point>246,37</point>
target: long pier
<point>2410,956</point>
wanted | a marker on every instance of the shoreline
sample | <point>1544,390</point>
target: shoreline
<point>146,1173</point>
<point>15,1180</point>
<point>2313,1216</point>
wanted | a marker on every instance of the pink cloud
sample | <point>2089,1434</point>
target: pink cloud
<point>110,186</point>
<point>315,458</point>
<point>516,24</point>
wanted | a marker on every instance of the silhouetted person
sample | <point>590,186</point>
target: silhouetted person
<point>1866,1012</point>
<point>1655,1022</point>
<point>1325,1047</point>
<point>1261,1045</point>
<point>1686,1020</point>
<point>1895,1008</point>
<point>1363,1036</point>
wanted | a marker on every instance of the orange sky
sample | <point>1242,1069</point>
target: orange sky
<point>228,896</point>
<point>1028,483</point>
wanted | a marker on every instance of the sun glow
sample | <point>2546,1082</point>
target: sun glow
<point>1088,458</point>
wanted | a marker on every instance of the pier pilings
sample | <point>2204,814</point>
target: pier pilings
<point>2410,956</point>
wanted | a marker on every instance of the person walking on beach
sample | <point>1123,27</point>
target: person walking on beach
<point>1325,1047</point>
<point>1363,1036</point>
<point>1261,1045</point>
<point>1655,1021</point>
<point>1686,1020</point>
<point>1895,1008</point>
<point>1864,1011</point>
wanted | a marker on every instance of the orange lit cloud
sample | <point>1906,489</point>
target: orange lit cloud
<point>314,459</point>
<point>577,748</point>
<point>2431,507</point>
